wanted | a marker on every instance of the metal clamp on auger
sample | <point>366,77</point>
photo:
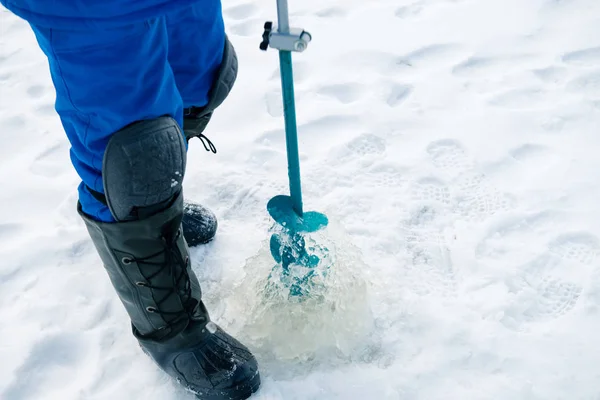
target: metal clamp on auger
<point>294,40</point>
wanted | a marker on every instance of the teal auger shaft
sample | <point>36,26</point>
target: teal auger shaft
<point>291,130</point>
<point>288,246</point>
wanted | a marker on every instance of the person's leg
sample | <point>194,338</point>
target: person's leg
<point>120,107</point>
<point>205,67</point>
<point>196,43</point>
<point>204,63</point>
<point>106,80</point>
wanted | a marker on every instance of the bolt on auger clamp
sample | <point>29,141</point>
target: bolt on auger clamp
<point>295,40</point>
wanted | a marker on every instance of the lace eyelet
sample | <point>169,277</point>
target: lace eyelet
<point>151,309</point>
<point>211,327</point>
<point>126,260</point>
<point>143,284</point>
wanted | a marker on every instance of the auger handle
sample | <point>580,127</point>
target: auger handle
<point>283,18</point>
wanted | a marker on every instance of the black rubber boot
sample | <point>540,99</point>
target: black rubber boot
<point>148,263</point>
<point>199,224</point>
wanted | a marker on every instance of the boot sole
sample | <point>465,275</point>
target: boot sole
<point>241,392</point>
<point>200,243</point>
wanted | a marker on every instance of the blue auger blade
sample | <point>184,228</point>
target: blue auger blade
<point>288,246</point>
<point>281,209</point>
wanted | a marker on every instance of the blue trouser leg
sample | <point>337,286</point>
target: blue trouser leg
<point>107,79</point>
<point>196,42</point>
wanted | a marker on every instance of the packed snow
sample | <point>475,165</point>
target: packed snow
<point>453,143</point>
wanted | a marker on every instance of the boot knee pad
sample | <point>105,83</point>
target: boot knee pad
<point>143,167</point>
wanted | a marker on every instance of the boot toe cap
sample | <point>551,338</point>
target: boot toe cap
<point>199,224</point>
<point>219,368</point>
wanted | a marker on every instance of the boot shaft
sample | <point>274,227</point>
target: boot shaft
<point>148,264</point>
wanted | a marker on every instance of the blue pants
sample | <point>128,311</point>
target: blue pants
<point>106,79</point>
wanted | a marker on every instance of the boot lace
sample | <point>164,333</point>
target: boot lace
<point>208,145</point>
<point>180,286</point>
<point>200,118</point>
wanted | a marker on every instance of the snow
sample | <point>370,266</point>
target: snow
<point>455,141</point>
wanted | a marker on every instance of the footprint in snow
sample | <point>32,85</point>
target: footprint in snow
<point>361,151</point>
<point>474,197</point>
<point>587,84</point>
<point>427,267</point>
<point>433,55</point>
<point>486,67</point>
<point>398,94</point>
<point>430,190</point>
<point>531,153</point>
<point>551,74</point>
<point>410,10</point>
<point>505,238</point>
<point>358,162</point>
<point>366,144</point>
<point>36,91</point>
<point>388,176</point>
<point>475,66</point>
<point>449,156</point>
<point>8,230</point>
<point>46,110</point>
<point>51,162</point>
<point>421,246</point>
<point>332,12</point>
<point>345,93</point>
<point>586,58</point>
<point>274,104</point>
<point>550,285</point>
<point>386,179</point>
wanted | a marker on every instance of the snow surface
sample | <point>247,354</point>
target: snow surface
<point>455,141</point>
